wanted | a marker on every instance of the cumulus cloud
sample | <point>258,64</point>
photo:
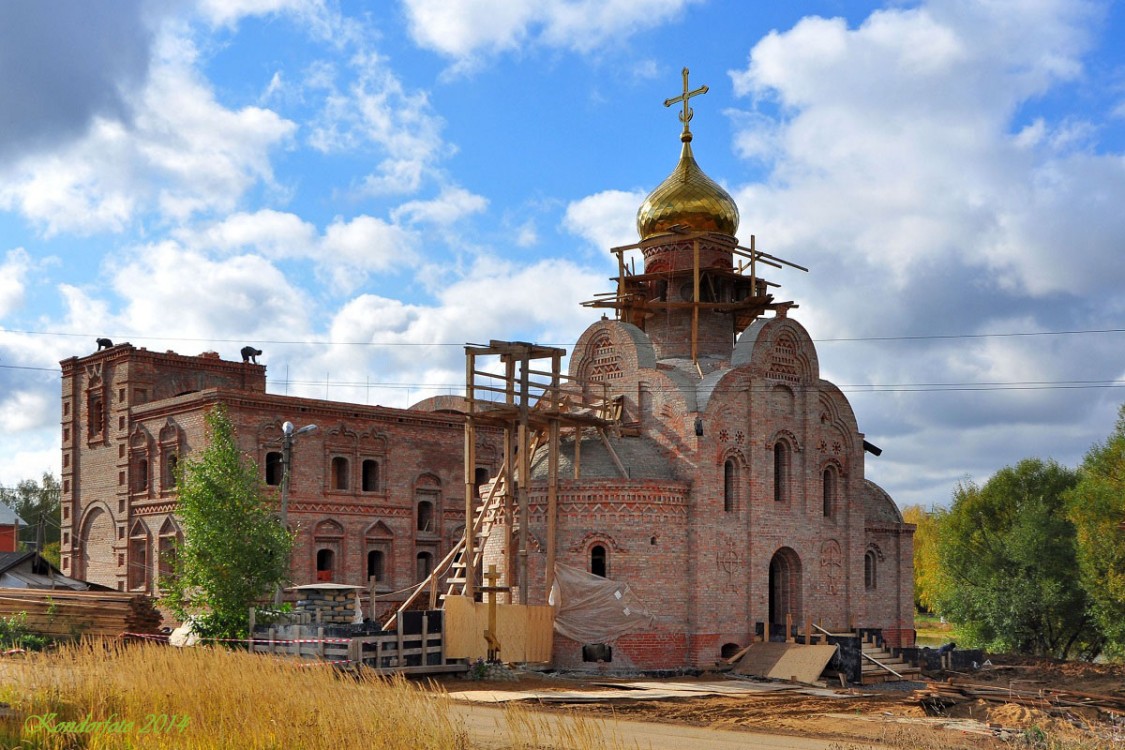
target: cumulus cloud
<point>242,296</point>
<point>345,253</point>
<point>455,29</point>
<point>903,169</point>
<point>179,152</point>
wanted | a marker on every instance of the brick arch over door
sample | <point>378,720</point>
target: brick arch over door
<point>784,587</point>
<point>98,561</point>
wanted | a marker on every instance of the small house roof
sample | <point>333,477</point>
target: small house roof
<point>327,587</point>
<point>8,516</point>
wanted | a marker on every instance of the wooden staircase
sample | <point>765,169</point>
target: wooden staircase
<point>880,666</point>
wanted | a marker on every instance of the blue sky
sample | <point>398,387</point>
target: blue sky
<point>362,188</point>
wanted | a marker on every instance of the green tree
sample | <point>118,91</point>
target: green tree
<point>927,564</point>
<point>37,503</point>
<point>1097,508</point>
<point>1008,553</point>
<point>235,549</point>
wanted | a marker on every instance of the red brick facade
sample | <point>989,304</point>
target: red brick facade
<point>374,492</point>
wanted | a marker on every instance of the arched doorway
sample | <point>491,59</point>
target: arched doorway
<point>785,588</point>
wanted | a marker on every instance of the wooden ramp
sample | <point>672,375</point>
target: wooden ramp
<point>785,661</point>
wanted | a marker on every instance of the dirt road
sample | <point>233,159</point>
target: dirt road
<point>488,728</point>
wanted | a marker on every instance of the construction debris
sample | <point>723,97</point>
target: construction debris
<point>937,697</point>
<point>64,613</point>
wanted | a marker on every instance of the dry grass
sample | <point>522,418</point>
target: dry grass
<point>230,699</point>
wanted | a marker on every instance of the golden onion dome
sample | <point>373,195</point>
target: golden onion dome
<point>689,198</point>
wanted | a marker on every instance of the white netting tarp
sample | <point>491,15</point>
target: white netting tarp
<point>592,609</point>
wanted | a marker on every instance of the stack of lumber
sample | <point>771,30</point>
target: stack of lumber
<point>936,697</point>
<point>65,613</point>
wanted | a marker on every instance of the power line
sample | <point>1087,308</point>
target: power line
<point>1015,385</point>
<point>318,342</point>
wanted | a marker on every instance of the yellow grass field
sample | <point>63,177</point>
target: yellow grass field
<point>148,696</point>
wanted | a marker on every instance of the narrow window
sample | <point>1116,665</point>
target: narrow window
<point>425,516</point>
<point>370,475</point>
<point>870,580</point>
<point>829,492</point>
<point>730,484</point>
<point>375,565</point>
<point>339,473</point>
<point>425,565</point>
<point>138,562</point>
<point>274,468</point>
<point>598,560</point>
<point>97,418</point>
<point>780,471</point>
<point>142,476</point>
<point>167,556</point>
<point>173,469</point>
<point>325,562</point>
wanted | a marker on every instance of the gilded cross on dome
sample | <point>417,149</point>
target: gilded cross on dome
<point>686,114</point>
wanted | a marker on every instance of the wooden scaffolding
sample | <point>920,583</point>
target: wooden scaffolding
<point>507,388</point>
<point>737,290</point>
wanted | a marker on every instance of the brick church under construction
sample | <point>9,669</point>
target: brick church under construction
<point>691,454</point>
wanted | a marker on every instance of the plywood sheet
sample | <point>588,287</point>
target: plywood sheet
<point>785,661</point>
<point>525,632</point>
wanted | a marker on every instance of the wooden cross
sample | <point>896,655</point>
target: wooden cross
<point>686,114</point>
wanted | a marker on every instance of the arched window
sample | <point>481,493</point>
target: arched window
<point>274,468</point>
<point>169,544</point>
<point>425,563</point>
<point>370,480</point>
<point>829,491</point>
<point>870,574</point>
<point>376,565</point>
<point>730,485</point>
<point>598,560</point>
<point>138,557</point>
<point>325,564</point>
<point>480,478</point>
<point>425,516</point>
<point>781,471</point>
<point>339,473</point>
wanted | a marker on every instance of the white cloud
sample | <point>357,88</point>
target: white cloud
<point>181,153</point>
<point>353,248</point>
<point>375,108</point>
<point>242,296</point>
<point>275,234</point>
<point>526,234</point>
<point>13,272</point>
<point>452,204</point>
<point>896,139</point>
<point>456,30</point>
<point>346,252</point>
<point>911,167</point>
<point>606,219</point>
